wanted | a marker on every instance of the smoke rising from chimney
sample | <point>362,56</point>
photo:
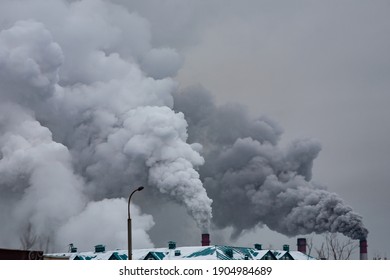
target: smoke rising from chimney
<point>251,177</point>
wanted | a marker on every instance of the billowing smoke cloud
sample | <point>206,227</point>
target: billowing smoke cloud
<point>103,220</point>
<point>37,179</point>
<point>84,115</point>
<point>250,177</point>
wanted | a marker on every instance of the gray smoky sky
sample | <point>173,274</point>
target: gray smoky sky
<point>255,120</point>
<point>320,69</point>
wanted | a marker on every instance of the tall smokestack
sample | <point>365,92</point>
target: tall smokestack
<point>363,249</point>
<point>205,239</point>
<point>301,243</point>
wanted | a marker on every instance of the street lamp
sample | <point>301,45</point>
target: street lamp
<point>130,253</point>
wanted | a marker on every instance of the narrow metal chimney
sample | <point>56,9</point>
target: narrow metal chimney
<point>205,239</point>
<point>301,243</point>
<point>363,249</point>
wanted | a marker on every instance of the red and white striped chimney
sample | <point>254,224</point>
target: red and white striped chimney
<point>205,239</point>
<point>301,243</point>
<point>363,249</point>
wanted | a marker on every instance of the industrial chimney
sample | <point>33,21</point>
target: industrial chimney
<point>363,249</point>
<point>301,243</point>
<point>205,239</point>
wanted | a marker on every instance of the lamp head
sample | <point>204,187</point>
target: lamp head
<point>140,188</point>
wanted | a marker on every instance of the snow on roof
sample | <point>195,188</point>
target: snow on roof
<point>214,252</point>
<point>300,256</point>
<point>280,254</point>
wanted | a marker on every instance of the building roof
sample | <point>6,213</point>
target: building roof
<point>214,252</point>
<point>282,255</point>
<point>300,256</point>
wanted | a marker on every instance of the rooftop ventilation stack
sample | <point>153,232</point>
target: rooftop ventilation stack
<point>171,245</point>
<point>72,248</point>
<point>177,253</point>
<point>100,248</point>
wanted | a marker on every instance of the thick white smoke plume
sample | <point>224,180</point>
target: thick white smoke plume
<point>85,115</point>
<point>37,180</point>
<point>251,177</point>
<point>104,221</point>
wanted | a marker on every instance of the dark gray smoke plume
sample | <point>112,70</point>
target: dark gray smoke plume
<point>254,181</point>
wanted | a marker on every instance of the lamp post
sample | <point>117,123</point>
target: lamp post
<point>130,253</point>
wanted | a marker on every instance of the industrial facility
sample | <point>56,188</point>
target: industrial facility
<point>204,252</point>
<point>173,252</point>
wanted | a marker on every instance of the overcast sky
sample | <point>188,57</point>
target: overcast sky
<point>320,69</point>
